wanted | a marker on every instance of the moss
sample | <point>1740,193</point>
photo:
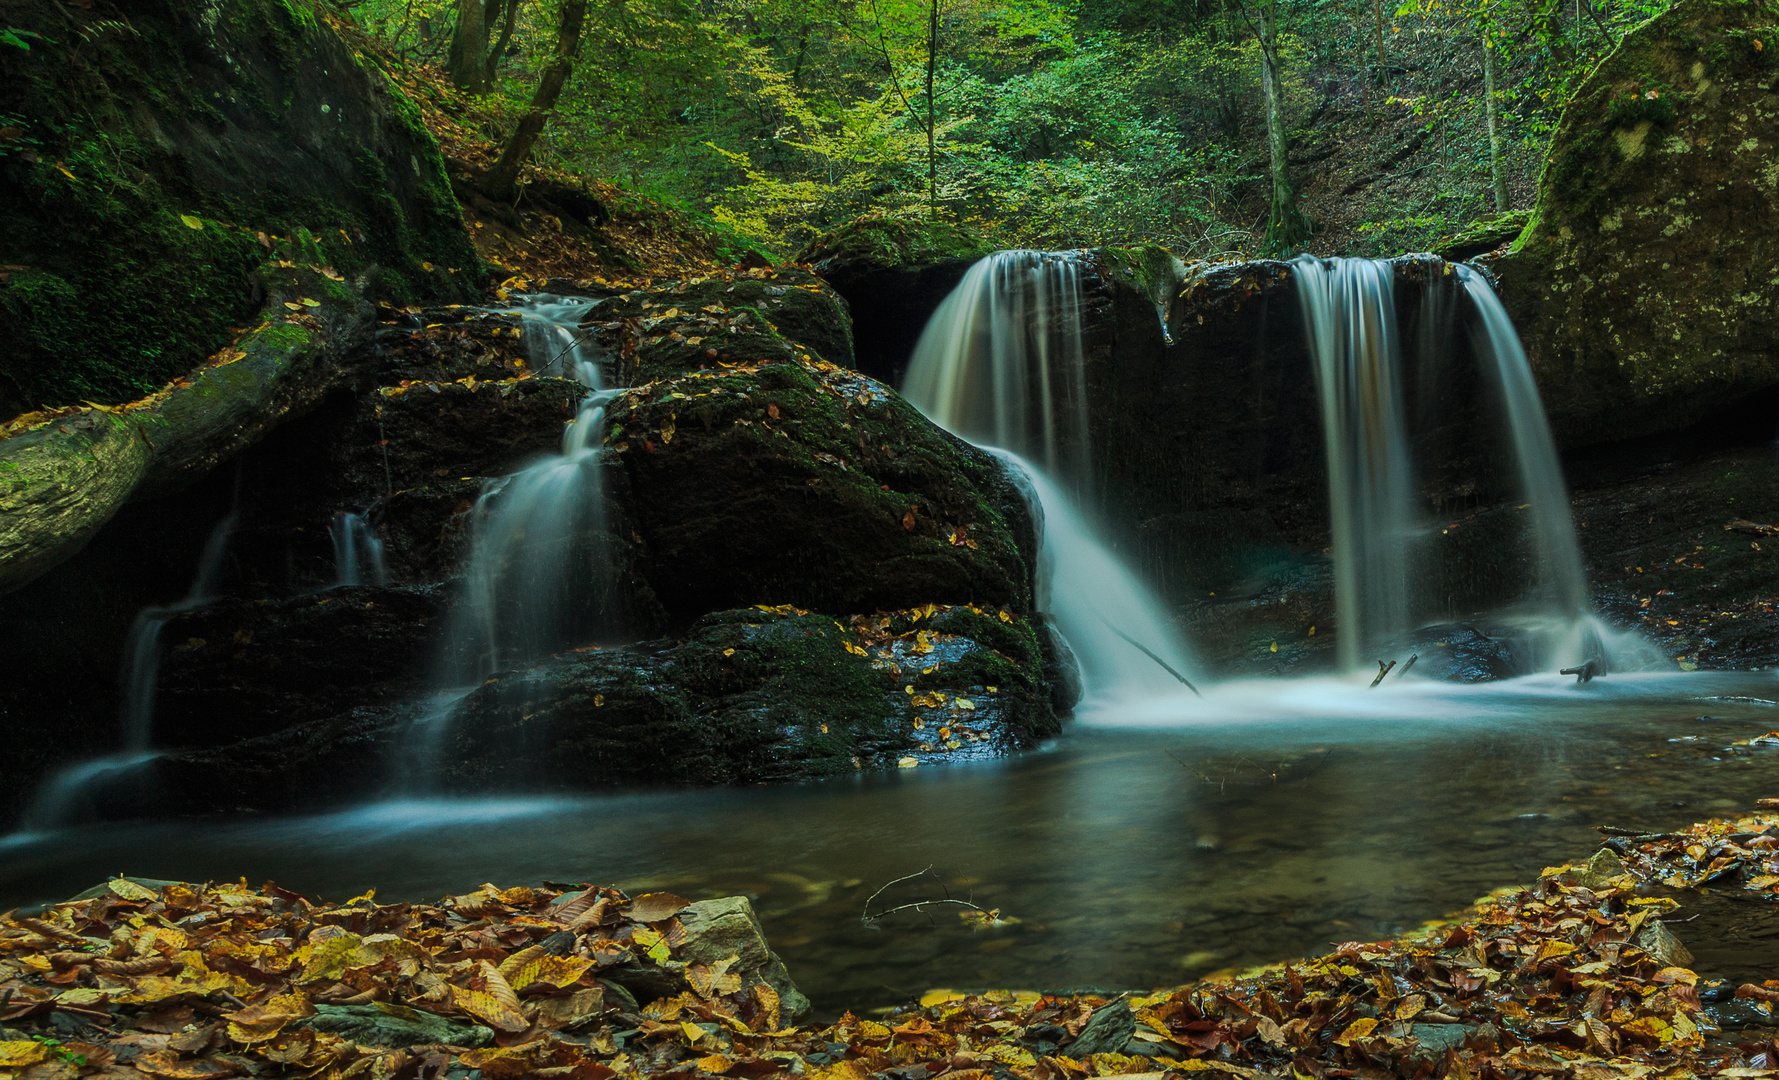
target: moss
<point>1151,268</point>
<point>134,132</point>
<point>894,242</point>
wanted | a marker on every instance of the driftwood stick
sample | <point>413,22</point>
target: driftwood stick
<point>1144,649</point>
<point>871,920</point>
<point>1382,670</point>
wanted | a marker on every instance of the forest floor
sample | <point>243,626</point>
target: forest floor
<point>1575,976</point>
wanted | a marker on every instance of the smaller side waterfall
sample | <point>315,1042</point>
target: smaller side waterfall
<point>357,549</point>
<point>536,574</point>
<point>1104,613</point>
<point>1001,361</point>
<point>1349,311</point>
<point>59,799</point>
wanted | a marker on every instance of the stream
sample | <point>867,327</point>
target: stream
<point>1153,843</point>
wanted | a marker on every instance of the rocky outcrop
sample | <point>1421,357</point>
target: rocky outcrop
<point>1647,285</point>
<point>748,695</point>
<point>151,163</point>
<point>893,273</point>
<point>813,485</point>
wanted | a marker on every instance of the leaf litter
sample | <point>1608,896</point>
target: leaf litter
<point>1573,977</point>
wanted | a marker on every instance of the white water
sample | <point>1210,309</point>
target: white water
<point>1349,313</point>
<point>1000,362</point>
<point>357,549</point>
<point>1097,603</point>
<point>61,796</point>
<point>1377,516</point>
<point>536,574</point>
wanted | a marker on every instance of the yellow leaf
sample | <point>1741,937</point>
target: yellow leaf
<point>426,266</point>
<point>310,303</point>
<point>940,997</point>
<point>728,652</point>
<point>963,703</point>
<point>191,222</point>
<point>18,1055</point>
<point>551,971</point>
<point>489,1009</point>
<point>907,763</point>
<point>1356,1030</point>
<point>293,307</point>
<point>1005,617</point>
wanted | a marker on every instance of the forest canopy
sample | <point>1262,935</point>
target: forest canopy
<point>1209,126</point>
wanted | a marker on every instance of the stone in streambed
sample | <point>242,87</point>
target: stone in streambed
<point>394,1026</point>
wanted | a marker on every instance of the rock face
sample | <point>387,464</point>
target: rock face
<point>893,273</point>
<point>156,156</point>
<point>1647,285</point>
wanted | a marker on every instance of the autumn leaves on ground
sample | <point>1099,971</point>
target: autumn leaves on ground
<point>1575,976</point>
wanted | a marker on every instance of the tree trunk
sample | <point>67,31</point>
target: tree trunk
<point>1284,225</point>
<point>1377,15</point>
<point>502,181</point>
<point>506,36</point>
<point>468,61</point>
<point>932,144</point>
<point>1493,123</point>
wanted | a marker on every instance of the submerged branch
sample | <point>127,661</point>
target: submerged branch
<point>869,920</point>
<point>1144,649</point>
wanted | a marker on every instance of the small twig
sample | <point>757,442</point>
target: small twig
<point>1144,649</point>
<point>869,920</point>
<point>1411,663</point>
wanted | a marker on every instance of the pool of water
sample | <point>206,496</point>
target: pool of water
<point>1155,842</point>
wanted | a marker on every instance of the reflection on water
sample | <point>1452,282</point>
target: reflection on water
<point>1134,852</point>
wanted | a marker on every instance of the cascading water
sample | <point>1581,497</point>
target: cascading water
<point>1099,606</point>
<point>538,574</point>
<point>1001,363</point>
<point>59,798</point>
<point>357,549</point>
<point>1376,513</point>
<point>1349,312</point>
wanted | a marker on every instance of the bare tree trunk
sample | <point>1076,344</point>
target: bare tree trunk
<point>502,181</point>
<point>1493,123</point>
<point>468,61</point>
<point>506,36</point>
<point>1377,15</point>
<point>932,144</point>
<point>1284,225</point>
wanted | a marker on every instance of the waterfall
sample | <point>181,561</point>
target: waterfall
<point>356,549</point>
<point>1375,510</point>
<point>1098,605</point>
<point>1349,312</point>
<point>1000,362</point>
<point>537,575</point>
<point>59,798</point>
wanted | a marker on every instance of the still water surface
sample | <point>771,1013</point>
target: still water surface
<point>1154,842</point>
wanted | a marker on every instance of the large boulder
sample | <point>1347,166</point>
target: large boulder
<point>149,160</point>
<point>747,696</point>
<point>809,484</point>
<point>1647,285</point>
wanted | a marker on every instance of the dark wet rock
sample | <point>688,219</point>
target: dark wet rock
<point>393,1026</point>
<point>747,696</point>
<point>795,484</point>
<point>1109,1031</point>
<point>1463,653</point>
<point>239,668</point>
<point>767,317</point>
<point>893,274</point>
<point>1645,286</point>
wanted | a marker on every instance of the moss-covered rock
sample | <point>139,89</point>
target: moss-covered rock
<point>748,695</point>
<point>893,272</point>
<point>149,164</point>
<point>1483,235</point>
<point>810,484</point>
<point>1647,285</point>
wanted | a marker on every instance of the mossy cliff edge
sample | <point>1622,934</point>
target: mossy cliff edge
<point>1647,285</point>
<point>150,158</point>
